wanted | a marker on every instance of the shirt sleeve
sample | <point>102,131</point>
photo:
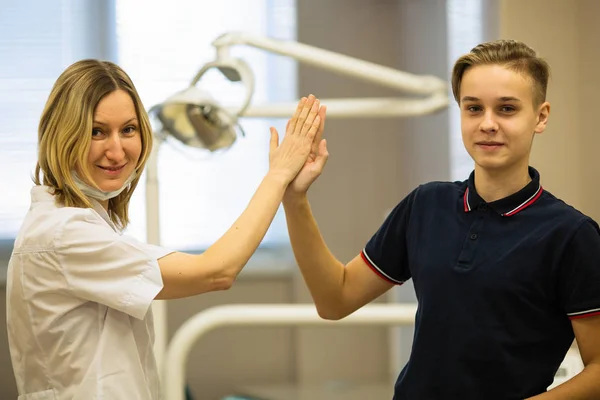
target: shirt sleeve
<point>103,266</point>
<point>387,251</point>
<point>580,273</point>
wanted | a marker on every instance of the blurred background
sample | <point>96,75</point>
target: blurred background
<point>373,162</point>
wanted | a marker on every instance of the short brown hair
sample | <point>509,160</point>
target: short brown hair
<point>511,54</point>
<point>65,132</point>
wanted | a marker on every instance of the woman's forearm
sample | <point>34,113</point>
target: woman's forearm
<point>232,251</point>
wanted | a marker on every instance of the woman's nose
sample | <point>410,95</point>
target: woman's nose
<point>114,148</point>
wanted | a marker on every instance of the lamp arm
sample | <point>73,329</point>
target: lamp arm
<point>357,107</point>
<point>385,76</point>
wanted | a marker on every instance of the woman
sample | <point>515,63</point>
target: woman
<point>79,292</point>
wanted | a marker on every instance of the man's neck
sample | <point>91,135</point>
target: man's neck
<point>497,184</point>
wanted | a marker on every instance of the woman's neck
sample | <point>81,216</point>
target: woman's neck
<point>104,204</point>
<point>495,185</point>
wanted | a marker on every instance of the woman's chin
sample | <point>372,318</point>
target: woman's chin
<point>111,186</point>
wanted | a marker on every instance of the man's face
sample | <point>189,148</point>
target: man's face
<point>499,118</point>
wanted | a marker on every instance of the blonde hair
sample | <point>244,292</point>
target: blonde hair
<point>512,54</point>
<point>65,132</point>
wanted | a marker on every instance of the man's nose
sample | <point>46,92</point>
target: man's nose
<point>489,124</point>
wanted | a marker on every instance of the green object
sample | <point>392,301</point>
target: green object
<point>188,393</point>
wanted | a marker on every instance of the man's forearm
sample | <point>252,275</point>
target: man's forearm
<point>583,386</point>
<point>323,273</point>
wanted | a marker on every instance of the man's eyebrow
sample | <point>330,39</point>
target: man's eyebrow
<point>504,98</point>
<point>509,98</point>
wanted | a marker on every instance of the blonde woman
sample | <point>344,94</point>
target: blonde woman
<point>78,291</point>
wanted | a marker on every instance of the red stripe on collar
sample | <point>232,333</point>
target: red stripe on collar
<point>526,204</point>
<point>466,201</point>
<point>523,206</point>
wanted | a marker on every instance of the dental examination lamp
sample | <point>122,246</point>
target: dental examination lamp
<point>194,118</point>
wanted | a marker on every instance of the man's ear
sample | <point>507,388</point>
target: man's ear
<point>542,117</point>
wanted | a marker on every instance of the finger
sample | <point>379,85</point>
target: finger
<point>303,114</point>
<point>274,142</point>
<point>323,146</point>
<point>310,119</point>
<point>312,132</point>
<point>323,155</point>
<point>319,135</point>
<point>291,125</point>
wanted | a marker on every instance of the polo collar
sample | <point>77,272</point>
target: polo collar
<point>509,205</point>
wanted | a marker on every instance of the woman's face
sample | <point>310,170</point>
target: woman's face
<point>116,143</point>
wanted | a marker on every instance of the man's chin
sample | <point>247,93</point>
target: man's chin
<point>492,165</point>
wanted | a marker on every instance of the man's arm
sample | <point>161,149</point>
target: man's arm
<point>586,384</point>
<point>337,289</point>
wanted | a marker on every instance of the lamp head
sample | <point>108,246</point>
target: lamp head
<point>194,117</point>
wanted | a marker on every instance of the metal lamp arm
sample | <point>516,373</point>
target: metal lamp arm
<point>365,70</point>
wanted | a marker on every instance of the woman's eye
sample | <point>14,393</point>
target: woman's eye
<point>96,132</point>
<point>129,130</point>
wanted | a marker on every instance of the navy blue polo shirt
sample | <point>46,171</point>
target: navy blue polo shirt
<point>496,284</point>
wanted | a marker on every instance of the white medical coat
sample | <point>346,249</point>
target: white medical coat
<point>78,306</point>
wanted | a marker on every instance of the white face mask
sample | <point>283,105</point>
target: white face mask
<point>98,194</point>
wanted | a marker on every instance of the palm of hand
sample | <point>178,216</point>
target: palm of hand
<point>308,174</point>
<point>304,178</point>
<point>313,166</point>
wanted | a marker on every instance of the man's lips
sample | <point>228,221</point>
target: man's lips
<point>489,146</point>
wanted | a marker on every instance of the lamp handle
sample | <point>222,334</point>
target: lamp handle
<point>235,70</point>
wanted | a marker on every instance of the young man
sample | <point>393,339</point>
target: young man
<point>506,275</point>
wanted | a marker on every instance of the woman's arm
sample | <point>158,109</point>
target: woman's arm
<point>217,268</point>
